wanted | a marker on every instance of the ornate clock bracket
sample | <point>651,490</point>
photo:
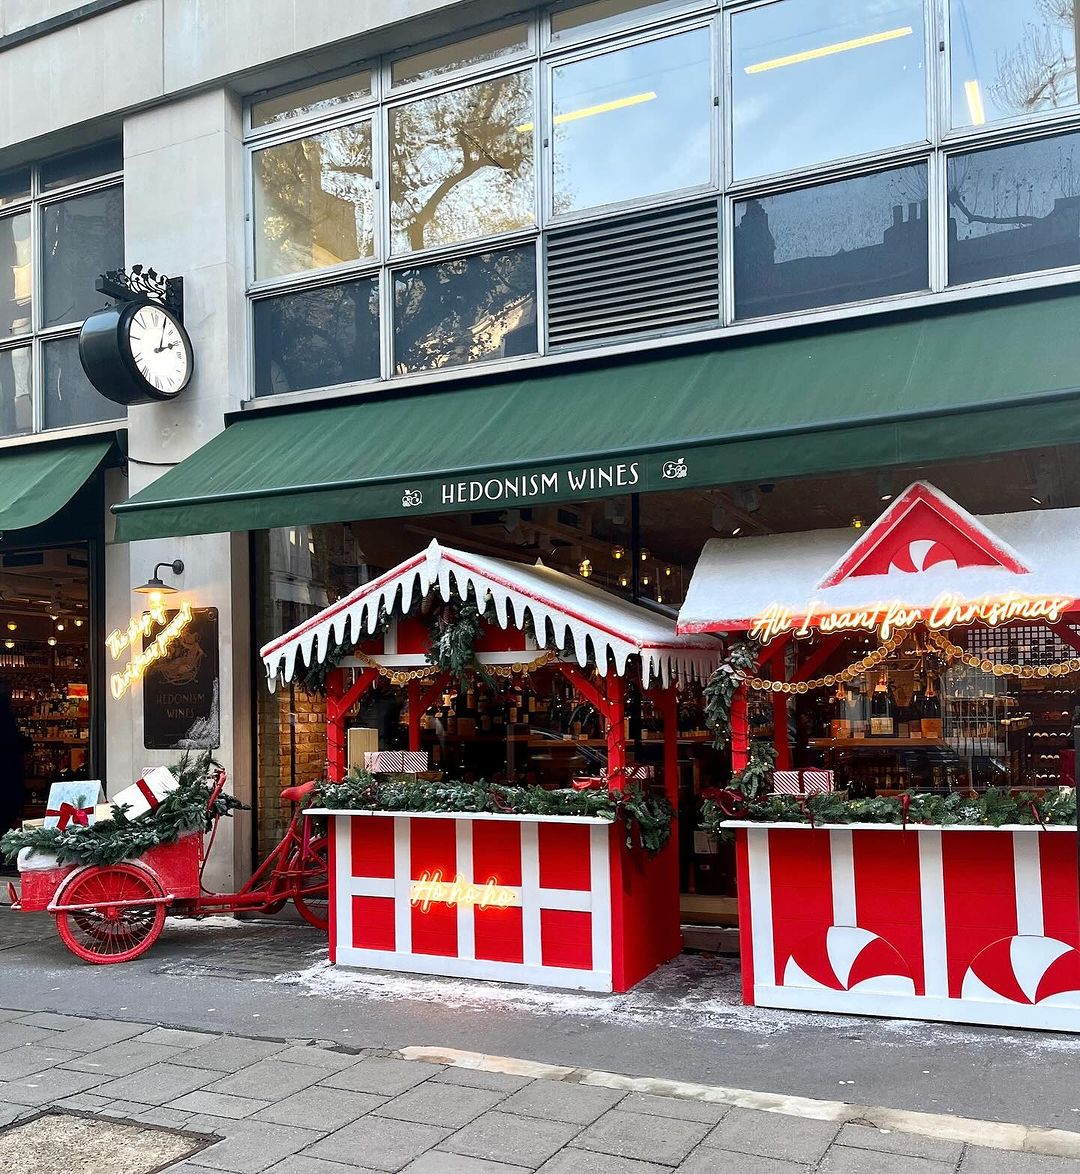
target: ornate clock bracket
<point>140,284</point>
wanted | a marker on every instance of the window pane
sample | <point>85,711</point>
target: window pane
<point>1010,58</point>
<point>461,164</point>
<point>14,185</point>
<point>600,11</point>
<point>314,202</point>
<point>1015,209</point>
<point>15,274</point>
<point>323,95</point>
<point>89,163</point>
<point>16,401</point>
<point>317,338</point>
<point>70,398</point>
<point>461,54</point>
<point>465,309</point>
<point>83,238</point>
<point>814,80</point>
<point>612,113</point>
<point>841,242</point>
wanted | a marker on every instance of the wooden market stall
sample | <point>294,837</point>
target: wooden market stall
<point>938,653</point>
<point>553,900</point>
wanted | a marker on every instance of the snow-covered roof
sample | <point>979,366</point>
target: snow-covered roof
<point>600,627</point>
<point>1030,553</point>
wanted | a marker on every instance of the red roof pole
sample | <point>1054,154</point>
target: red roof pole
<point>616,742</point>
<point>335,725</point>
<point>740,740</point>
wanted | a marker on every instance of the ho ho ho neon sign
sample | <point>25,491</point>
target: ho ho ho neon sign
<point>430,889</point>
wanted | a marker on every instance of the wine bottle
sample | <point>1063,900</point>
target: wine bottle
<point>841,723</point>
<point>882,710</point>
<point>931,711</point>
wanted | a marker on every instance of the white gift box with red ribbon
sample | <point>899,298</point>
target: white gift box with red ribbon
<point>147,793</point>
<point>72,804</point>
<point>802,783</point>
<point>396,762</point>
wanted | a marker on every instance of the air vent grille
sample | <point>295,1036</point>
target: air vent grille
<point>638,274</point>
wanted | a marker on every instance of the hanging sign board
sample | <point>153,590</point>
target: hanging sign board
<point>182,689</point>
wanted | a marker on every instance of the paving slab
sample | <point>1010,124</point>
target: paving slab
<point>440,1162</point>
<point>252,1146</point>
<point>171,1118</point>
<point>502,1137</point>
<point>474,1078</point>
<point>120,1059</point>
<point>889,1141</point>
<point>157,1085</point>
<point>99,1033</point>
<point>842,1160</point>
<point>45,1087</point>
<point>267,1080</point>
<point>217,1104</point>
<point>575,1161</point>
<point>773,1135</point>
<point>708,1160</point>
<point>385,1077</point>
<point>318,1057</point>
<point>14,1035</point>
<point>50,1020</point>
<point>978,1160</point>
<point>30,1058</point>
<point>555,1100</point>
<point>683,1109</point>
<point>175,1037</point>
<point>664,1140</point>
<point>379,1142</point>
<point>452,1105</point>
<point>326,1109</point>
<point>302,1164</point>
<point>229,1053</point>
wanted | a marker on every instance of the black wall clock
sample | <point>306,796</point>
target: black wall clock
<point>138,351</point>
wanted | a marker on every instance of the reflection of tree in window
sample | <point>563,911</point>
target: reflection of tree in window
<point>15,274</point>
<point>317,338</point>
<point>461,164</point>
<point>314,201</point>
<point>1040,73</point>
<point>83,238</point>
<point>1014,209</point>
<point>465,309</point>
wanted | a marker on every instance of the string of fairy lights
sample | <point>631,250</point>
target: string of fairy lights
<point>430,671</point>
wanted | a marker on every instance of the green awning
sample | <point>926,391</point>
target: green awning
<point>967,379</point>
<point>36,482</point>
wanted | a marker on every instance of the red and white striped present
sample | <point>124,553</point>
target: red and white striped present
<point>396,762</point>
<point>809,781</point>
<point>510,898</point>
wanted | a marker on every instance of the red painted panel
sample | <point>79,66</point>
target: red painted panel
<point>1057,851</point>
<point>564,856</point>
<point>495,639</point>
<point>497,851</point>
<point>435,932</point>
<point>888,895</point>
<point>980,897</point>
<point>746,938</point>
<point>433,848</point>
<point>373,846</point>
<point>413,636</point>
<point>800,867</point>
<point>373,923</point>
<point>566,938</point>
<point>499,935</point>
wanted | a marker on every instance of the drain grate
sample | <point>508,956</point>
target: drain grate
<point>60,1143</point>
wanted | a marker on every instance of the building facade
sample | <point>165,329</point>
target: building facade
<point>592,282</point>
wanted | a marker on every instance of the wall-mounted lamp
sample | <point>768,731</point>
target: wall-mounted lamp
<point>155,586</point>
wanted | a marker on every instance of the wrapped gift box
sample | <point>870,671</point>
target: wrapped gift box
<point>145,794</point>
<point>810,781</point>
<point>396,762</point>
<point>72,804</point>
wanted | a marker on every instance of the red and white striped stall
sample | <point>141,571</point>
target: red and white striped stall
<point>553,900</point>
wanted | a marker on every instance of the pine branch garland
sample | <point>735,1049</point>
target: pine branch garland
<point>737,665</point>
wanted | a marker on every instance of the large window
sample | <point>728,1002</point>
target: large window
<point>61,226</point>
<point>613,112</point>
<point>593,172</point>
<point>1011,58</point>
<point>816,80</point>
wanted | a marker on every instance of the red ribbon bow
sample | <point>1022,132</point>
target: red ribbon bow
<point>731,803</point>
<point>145,791</point>
<point>67,813</point>
<point>586,784</point>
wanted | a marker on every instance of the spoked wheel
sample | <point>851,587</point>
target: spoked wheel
<point>111,933</point>
<point>312,898</point>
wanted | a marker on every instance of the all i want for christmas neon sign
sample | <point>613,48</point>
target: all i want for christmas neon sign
<point>138,628</point>
<point>431,889</point>
<point>947,611</point>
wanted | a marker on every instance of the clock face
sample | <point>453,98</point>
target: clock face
<point>159,349</point>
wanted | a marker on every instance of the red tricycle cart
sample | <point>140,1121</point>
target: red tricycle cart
<point>114,913</point>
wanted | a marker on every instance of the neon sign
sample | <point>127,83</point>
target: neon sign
<point>119,641</point>
<point>947,611</point>
<point>431,889</point>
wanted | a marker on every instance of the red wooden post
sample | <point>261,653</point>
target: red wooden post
<point>335,725</point>
<point>780,731</point>
<point>412,690</point>
<point>740,740</point>
<point>616,741</point>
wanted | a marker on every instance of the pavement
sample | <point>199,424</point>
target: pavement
<point>240,1034</point>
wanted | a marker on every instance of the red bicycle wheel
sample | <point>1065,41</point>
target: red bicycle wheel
<point>312,896</point>
<point>111,933</point>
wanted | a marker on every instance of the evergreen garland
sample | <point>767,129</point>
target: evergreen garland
<point>647,817</point>
<point>737,665</point>
<point>109,841</point>
<point>455,628</point>
<point>312,677</point>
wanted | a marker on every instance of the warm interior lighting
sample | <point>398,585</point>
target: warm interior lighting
<point>624,581</point>
<point>51,641</point>
<point>829,50</point>
<point>645,580</point>
<point>585,568</point>
<point>667,571</point>
<point>12,626</point>
<point>976,109</point>
<point>599,108</point>
<point>618,552</point>
<point>9,643</point>
<point>857,522</point>
<point>736,532</point>
<point>644,555</point>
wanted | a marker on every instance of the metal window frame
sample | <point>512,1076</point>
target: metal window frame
<point>293,122</point>
<point>455,76</point>
<point>615,26</point>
